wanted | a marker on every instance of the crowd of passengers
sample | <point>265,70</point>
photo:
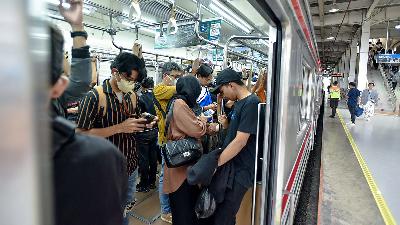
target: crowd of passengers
<point>122,125</point>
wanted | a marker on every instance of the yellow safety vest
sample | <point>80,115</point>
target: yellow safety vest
<point>334,92</point>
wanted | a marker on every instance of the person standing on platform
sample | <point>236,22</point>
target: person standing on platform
<point>369,98</point>
<point>353,101</point>
<point>334,95</point>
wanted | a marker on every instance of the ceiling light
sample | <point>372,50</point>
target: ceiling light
<point>397,26</point>
<point>221,10</point>
<point>330,38</point>
<point>333,10</point>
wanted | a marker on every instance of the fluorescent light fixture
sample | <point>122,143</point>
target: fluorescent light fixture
<point>128,24</point>
<point>397,26</point>
<point>148,30</point>
<point>330,38</point>
<point>333,10</point>
<point>57,2</point>
<point>131,25</point>
<point>221,10</point>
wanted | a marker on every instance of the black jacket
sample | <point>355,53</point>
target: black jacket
<point>90,180</point>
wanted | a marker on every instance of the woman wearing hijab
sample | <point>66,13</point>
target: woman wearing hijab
<point>184,123</point>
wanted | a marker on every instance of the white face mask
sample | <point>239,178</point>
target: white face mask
<point>125,86</point>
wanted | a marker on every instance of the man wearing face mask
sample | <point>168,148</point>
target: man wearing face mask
<point>109,111</point>
<point>163,92</point>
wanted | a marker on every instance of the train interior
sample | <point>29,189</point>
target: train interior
<point>114,26</point>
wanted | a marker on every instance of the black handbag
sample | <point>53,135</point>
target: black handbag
<point>180,152</point>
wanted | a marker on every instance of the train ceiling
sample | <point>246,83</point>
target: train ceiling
<point>154,11</point>
<point>338,23</point>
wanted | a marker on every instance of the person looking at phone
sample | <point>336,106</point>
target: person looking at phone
<point>110,111</point>
<point>147,140</point>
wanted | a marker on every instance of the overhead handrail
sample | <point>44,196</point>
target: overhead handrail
<point>172,27</point>
<point>197,32</point>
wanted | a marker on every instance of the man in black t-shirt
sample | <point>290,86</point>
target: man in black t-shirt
<point>240,142</point>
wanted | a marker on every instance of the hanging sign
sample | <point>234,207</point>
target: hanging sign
<point>186,36</point>
<point>337,75</point>
<point>388,58</point>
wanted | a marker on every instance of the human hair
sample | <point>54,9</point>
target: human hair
<point>373,84</point>
<point>56,54</point>
<point>335,83</point>
<point>353,84</point>
<point>204,71</point>
<point>125,62</point>
<point>167,68</point>
<point>148,82</point>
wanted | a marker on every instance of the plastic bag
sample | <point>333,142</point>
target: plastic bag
<point>205,204</point>
<point>359,111</point>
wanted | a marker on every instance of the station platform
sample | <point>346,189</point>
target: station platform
<point>359,170</point>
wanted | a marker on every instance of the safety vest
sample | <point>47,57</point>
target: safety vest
<point>334,92</point>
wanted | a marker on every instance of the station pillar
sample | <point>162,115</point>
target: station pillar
<point>362,82</point>
<point>353,61</point>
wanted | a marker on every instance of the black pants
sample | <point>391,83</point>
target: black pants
<point>352,110</point>
<point>394,84</point>
<point>334,102</point>
<point>147,152</point>
<point>182,203</point>
<point>225,214</point>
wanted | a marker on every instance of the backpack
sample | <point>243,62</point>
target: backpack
<point>102,109</point>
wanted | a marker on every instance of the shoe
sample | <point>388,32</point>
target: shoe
<point>166,217</point>
<point>129,207</point>
<point>152,186</point>
<point>332,116</point>
<point>142,189</point>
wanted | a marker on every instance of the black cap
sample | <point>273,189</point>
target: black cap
<point>224,77</point>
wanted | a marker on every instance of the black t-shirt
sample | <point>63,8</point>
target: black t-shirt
<point>244,118</point>
<point>146,102</point>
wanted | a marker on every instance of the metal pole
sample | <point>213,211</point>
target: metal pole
<point>387,36</point>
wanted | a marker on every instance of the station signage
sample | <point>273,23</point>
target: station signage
<point>186,36</point>
<point>388,58</point>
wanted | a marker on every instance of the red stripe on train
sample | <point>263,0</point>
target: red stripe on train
<point>300,17</point>
<point>290,183</point>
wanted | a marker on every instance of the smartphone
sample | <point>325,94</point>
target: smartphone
<point>150,118</point>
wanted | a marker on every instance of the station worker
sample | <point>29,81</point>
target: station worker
<point>334,96</point>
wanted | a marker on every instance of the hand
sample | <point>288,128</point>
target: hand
<point>73,15</point>
<point>223,120</point>
<point>132,125</point>
<point>137,50</point>
<point>72,110</point>
<point>153,123</point>
<point>213,127</point>
<point>212,106</point>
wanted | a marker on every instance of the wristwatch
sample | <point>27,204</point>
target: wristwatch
<point>79,34</point>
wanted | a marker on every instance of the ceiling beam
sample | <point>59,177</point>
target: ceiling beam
<point>371,8</point>
<point>321,19</point>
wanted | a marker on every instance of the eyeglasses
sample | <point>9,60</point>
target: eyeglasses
<point>128,78</point>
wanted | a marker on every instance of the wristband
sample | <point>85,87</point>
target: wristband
<point>79,34</point>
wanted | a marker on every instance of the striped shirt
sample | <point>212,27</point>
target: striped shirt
<point>116,112</point>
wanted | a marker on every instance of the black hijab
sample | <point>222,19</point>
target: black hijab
<point>188,88</point>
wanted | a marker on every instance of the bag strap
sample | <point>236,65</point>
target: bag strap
<point>157,104</point>
<point>102,100</point>
<point>169,117</point>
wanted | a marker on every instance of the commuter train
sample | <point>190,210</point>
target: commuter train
<point>293,86</point>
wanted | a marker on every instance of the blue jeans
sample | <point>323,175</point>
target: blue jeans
<point>130,196</point>
<point>164,200</point>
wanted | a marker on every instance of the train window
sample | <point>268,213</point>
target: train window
<point>305,106</point>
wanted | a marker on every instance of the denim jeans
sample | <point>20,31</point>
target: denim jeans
<point>130,196</point>
<point>164,200</point>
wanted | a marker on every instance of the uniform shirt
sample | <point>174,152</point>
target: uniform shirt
<point>205,97</point>
<point>88,118</point>
<point>244,118</point>
<point>163,93</point>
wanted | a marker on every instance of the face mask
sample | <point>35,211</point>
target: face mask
<point>173,80</point>
<point>125,86</point>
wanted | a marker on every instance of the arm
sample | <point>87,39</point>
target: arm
<point>81,69</point>
<point>233,148</point>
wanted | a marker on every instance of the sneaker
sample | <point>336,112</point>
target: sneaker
<point>332,116</point>
<point>166,217</point>
<point>129,207</point>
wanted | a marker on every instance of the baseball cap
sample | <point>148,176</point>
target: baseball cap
<point>224,77</point>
